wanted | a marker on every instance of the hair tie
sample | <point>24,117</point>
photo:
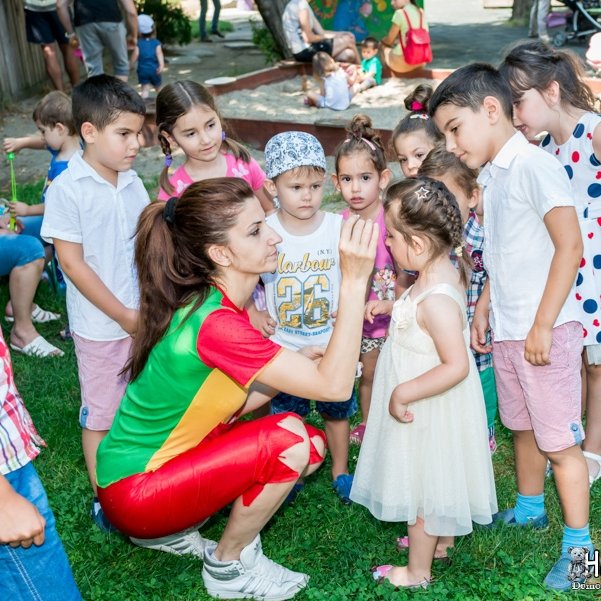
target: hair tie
<point>459,249</point>
<point>361,138</point>
<point>169,210</point>
<point>419,116</point>
<point>417,106</point>
<point>168,160</point>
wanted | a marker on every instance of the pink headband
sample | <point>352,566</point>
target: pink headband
<point>368,142</point>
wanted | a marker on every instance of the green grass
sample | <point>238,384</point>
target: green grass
<point>335,544</point>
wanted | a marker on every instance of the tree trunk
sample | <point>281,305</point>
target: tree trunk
<point>521,10</point>
<point>271,11</point>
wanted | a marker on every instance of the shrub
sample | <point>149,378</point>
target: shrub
<point>264,41</point>
<point>172,24</point>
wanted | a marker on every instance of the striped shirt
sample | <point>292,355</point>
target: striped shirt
<point>473,234</point>
<point>19,440</point>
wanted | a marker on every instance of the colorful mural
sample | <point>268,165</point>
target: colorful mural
<point>362,17</point>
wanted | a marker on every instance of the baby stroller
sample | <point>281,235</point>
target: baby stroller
<point>579,24</point>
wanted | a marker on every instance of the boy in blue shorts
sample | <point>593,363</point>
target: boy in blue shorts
<point>149,55</point>
<point>532,250</point>
<point>302,294</point>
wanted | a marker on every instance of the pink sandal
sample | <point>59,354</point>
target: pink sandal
<point>380,575</point>
<point>356,435</point>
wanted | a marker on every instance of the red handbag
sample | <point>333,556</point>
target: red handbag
<point>417,50</point>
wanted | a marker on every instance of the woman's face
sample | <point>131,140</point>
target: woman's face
<point>252,243</point>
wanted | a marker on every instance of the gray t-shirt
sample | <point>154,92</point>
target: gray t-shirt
<point>291,24</point>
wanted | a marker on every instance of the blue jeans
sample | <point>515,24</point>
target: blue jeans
<point>17,250</point>
<point>202,21</point>
<point>39,573</point>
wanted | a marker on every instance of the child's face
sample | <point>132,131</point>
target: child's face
<point>531,113</point>
<point>402,252</point>
<point>411,149</point>
<point>467,133</point>
<point>54,137</point>
<point>299,192</point>
<point>368,52</point>
<point>464,200</point>
<point>398,4</point>
<point>252,243</point>
<point>359,181</point>
<point>198,133</point>
<point>115,147</point>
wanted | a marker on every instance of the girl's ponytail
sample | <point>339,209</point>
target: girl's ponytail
<point>164,182</point>
<point>417,104</point>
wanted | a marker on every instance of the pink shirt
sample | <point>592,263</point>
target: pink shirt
<point>250,172</point>
<point>382,282</point>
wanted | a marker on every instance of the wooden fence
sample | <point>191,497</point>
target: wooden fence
<point>21,63</point>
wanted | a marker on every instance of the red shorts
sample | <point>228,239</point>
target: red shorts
<point>233,460</point>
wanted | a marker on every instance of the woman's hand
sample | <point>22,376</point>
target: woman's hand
<point>358,243</point>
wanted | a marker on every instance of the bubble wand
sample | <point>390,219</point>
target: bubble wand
<point>12,224</point>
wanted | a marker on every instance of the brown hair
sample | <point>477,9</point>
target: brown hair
<point>175,100</point>
<point>432,212</point>
<point>361,138</point>
<point>417,104</point>
<point>171,257</point>
<point>323,64</point>
<point>440,162</point>
<point>534,65</point>
<point>55,108</point>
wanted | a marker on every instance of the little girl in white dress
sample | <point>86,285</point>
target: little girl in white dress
<point>425,458</point>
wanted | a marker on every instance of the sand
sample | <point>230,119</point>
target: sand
<point>284,102</point>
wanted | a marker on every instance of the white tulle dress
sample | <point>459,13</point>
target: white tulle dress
<point>438,467</point>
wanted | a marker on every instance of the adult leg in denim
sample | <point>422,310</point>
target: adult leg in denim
<point>202,20</point>
<point>216,11</point>
<point>23,282</point>
<point>38,573</point>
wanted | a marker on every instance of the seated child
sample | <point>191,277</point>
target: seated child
<point>54,119</point>
<point>335,84</point>
<point>370,73</point>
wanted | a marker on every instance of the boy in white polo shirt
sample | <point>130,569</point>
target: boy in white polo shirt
<point>92,210</point>
<point>532,250</point>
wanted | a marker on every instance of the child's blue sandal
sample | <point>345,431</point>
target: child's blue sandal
<point>342,486</point>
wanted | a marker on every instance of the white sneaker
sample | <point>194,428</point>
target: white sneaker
<point>253,576</point>
<point>187,542</point>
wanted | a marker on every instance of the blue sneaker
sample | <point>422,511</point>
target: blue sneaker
<point>507,517</point>
<point>342,485</point>
<point>101,520</point>
<point>558,577</point>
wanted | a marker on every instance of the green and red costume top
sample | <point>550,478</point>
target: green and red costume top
<point>196,378</point>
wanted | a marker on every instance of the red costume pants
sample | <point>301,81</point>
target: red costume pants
<point>233,460</point>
